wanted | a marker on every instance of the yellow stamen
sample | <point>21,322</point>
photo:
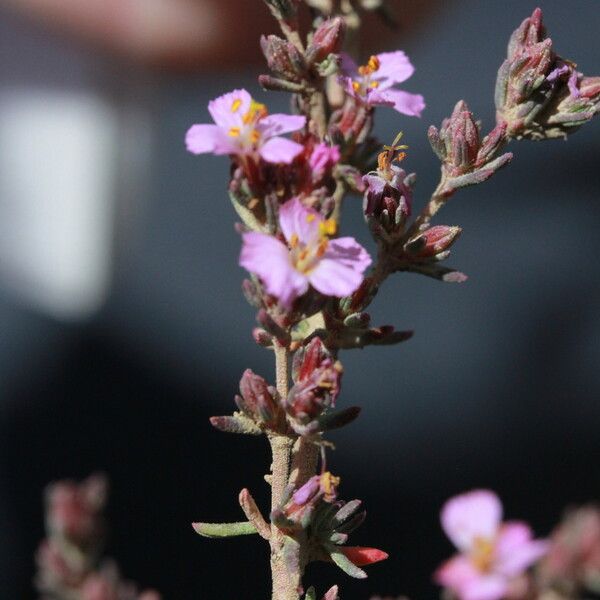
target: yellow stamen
<point>254,136</point>
<point>356,86</point>
<point>329,483</point>
<point>293,241</point>
<point>256,111</point>
<point>310,218</point>
<point>236,105</point>
<point>374,85</point>
<point>328,227</point>
<point>322,247</point>
<point>374,64</point>
<point>302,256</point>
<point>234,131</point>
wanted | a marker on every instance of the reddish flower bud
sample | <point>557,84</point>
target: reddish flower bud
<point>590,88</point>
<point>433,241</point>
<point>258,401</point>
<point>361,556</point>
<point>317,384</point>
<point>327,39</point>
<point>283,58</point>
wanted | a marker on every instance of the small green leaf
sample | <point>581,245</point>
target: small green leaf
<point>311,594</point>
<point>345,564</point>
<point>224,530</point>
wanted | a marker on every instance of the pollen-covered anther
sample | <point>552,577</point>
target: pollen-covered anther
<point>234,131</point>
<point>329,484</point>
<point>255,136</point>
<point>235,106</point>
<point>328,227</point>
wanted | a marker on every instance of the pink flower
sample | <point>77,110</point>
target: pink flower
<point>242,127</point>
<point>333,267</point>
<point>373,83</point>
<point>492,554</point>
<point>323,158</point>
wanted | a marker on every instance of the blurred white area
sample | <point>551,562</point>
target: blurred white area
<point>58,176</point>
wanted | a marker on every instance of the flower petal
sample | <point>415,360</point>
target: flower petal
<point>229,109</point>
<point>297,219</point>
<point>456,573</point>
<point>280,123</point>
<point>280,150</point>
<point>516,551</point>
<point>208,138</point>
<point>394,66</point>
<point>349,252</point>
<point>340,271</point>
<point>269,258</point>
<point>404,102</point>
<point>347,65</point>
<point>474,514</point>
<point>487,587</point>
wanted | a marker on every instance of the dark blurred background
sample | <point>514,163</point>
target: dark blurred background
<point>123,327</point>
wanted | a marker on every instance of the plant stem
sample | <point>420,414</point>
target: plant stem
<point>285,583</point>
<point>438,199</point>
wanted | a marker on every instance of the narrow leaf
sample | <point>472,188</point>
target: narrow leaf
<point>345,564</point>
<point>237,423</point>
<point>311,594</point>
<point>339,418</point>
<point>224,530</point>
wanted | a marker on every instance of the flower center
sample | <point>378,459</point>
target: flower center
<point>482,554</point>
<point>248,133</point>
<point>366,72</point>
<point>306,256</point>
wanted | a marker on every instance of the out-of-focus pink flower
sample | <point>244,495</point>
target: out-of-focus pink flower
<point>333,267</point>
<point>73,509</point>
<point>323,158</point>
<point>374,82</point>
<point>243,127</point>
<point>492,554</point>
<point>573,560</point>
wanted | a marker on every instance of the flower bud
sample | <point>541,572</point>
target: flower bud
<point>327,39</point>
<point>258,401</point>
<point>73,510</point>
<point>538,94</point>
<point>432,241</point>
<point>283,58</point>
<point>318,489</point>
<point>459,137</point>
<point>317,380</point>
<point>578,104</point>
<point>465,158</point>
<point>573,559</point>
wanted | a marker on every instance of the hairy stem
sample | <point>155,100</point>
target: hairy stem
<point>285,583</point>
<point>438,199</point>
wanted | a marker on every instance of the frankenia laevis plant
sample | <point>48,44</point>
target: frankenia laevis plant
<point>311,285</point>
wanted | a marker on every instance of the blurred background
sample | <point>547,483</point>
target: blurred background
<point>123,327</point>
